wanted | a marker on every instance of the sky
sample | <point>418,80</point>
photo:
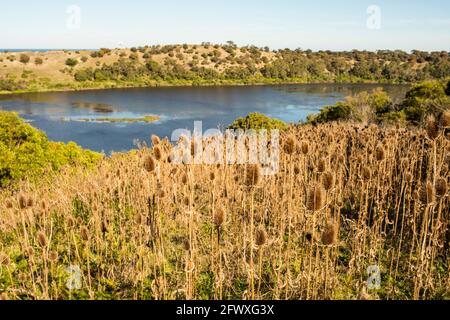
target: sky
<point>316,24</point>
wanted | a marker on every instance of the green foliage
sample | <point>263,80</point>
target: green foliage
<point>25,152</point>
<point>11,85</point>
<point>38,61</point>
<point>341,111</point>
<point>258,121</point>
<point>423,99</point>
<point>71,62</point>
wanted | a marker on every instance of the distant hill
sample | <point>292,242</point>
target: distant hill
<point>207,64</point>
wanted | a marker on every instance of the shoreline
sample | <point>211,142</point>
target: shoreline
<point>193,85</point>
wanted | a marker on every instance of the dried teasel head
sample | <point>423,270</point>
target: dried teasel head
<point>290,145</point>
<point>427,193</point>
<point>366,173</point>
<point>305,148</point>
<point>8,204</point>
<point>84,233</point>
<point>70,221</point>
<point>315,198</point>
<point>432,128</point>
<point>322,166</point>
<point>158,153</point>
<point>380,153</point>
<point>53,256</point>
<point>23,202</point>
<point>328,180</point>
<point>219,217</point>
<point>155,140</point>
<point>445,119</point>
<point>4,260</point>
<point>149,164</point>
<point>187,244</point>
<point>261,237</point>
<point>330,234</point>
<point>441,187</point>
<point>42,239</point>
<point>296,170</point>
<point>253,175</point>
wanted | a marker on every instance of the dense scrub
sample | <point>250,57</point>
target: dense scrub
<point>26,153</point>
<point>424,99</point>
<point>138,226</point>
<point>214,64</point>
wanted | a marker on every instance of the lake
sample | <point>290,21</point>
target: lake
<point>59,114</point>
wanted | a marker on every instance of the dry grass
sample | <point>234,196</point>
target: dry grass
<point>347,197</point>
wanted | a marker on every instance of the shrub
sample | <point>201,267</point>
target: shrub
<point>258,121</point>
<point>84,75</point>
<point>423,99</point>
<point>25,152</point>
<point>341,111</point>
<point>38,61</point>
<point>71,62</point>
<point>24,58</point>
<point>447,90</point>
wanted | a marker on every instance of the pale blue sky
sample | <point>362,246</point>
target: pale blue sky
<point>314,24</point>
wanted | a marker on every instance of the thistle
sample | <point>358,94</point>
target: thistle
<point>260,237</point>
<point>149,164</point>
<point>328,180</point>
<point>330,234</point>
<point>253,175</point>
<point>441,187</point>
<point>315,198</point>
<point>42,239</point>
<point>432,128</point>
<point>289,145</point>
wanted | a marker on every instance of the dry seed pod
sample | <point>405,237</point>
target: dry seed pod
<point>445,119</point>
<point>158,153</point>
<point>187,244</point>
<point>260,237</point>
<point>330,234</point>
<point>53,256</point>
<point>441,187</point>
<point>253,175</point>
<point>42,239</point>
<point>149,164</point>
<point>380,153</point>
<point>328,180</point>
<point>315,198</point>
<point>84,233</point>
<point>289,145</point>
<point>305,148</point>
<point>155,140</point>
<point>432,128</point>
<point>219,217</point>
<point>22,202</point>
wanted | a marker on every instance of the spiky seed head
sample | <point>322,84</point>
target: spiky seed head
<point>441,187</point>
<point>380,153</point>
<point>161,193</point>
<point>30,251</point>
<point>427,195</point>
<point>445,119</point>
<point>253,175</point>
<point>305,148</point>
<point>4,260</point>
<point>328,180</point>
<point>138,218</point>
<point>296,170</point>
<point>289,145</point>
<point>42,239</point>
<point>309,237</point>
<point>30,202</point>
<point>187,244</point>
<point>432,128</point>
<point>8,204</point>
<point>149,164</point>
<point>158,153</point>
<point>44,205</point>
<point>330,234</point>
<point>155,140</point>
<point>261,236</point>
<point>366,173</point>
<point>219,217</point>
<point>315,198</point>
<point>23,202</point>
<point>187,201</point>
<point>53,256</point>
<point>184,179</point>
<point>84,233</point>
<point>70,221</point>
<point>212,176</point>
<point>321,167</point>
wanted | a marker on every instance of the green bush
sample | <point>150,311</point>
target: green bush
<point>71,62</point>
<point>341,111</point>
<point>25,152</point>
<point>24,58</point>
<point>258,121</point>
<point>425,98</point>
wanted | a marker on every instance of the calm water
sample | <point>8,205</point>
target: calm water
<point>58,114</point>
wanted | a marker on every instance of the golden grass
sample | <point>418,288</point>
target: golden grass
<point>346,197</point>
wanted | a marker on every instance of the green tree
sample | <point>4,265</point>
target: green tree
<point>24,58</point>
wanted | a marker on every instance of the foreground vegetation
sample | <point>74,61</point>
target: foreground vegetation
<point>140,227</point>
<point>208,64</point>
<point>26,153</point>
